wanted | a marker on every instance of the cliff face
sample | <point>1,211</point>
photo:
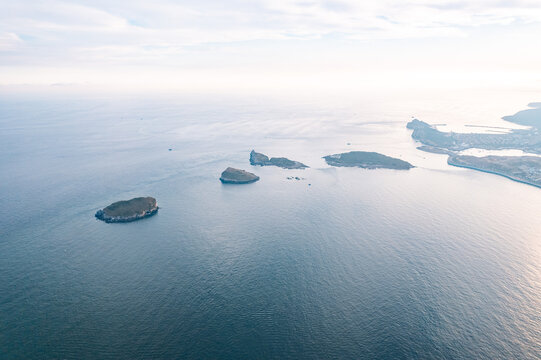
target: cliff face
<point>263,160</point>
<point>258,158</point>
<point>237,176</point>
<point>128,210</point>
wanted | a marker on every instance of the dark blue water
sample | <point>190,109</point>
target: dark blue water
<point>432,263</point>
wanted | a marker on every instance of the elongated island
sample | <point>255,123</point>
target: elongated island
<point>367,160</point>
<point>128,210</point>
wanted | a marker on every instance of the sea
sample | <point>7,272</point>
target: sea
<point>436,262</point>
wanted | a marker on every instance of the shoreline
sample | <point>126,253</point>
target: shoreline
<point>100,215</point>
<point>495,173</point>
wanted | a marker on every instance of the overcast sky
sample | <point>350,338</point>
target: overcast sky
<point>197,41</point>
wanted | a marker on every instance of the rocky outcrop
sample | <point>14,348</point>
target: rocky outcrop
<point>263,160</point>
<point>367,160</point>
<point>237,176</point>
<point>258,158</point>
<point>128,210</point>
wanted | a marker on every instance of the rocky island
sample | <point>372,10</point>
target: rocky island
<point>128,210</point>
<point>367,160</point>
<point>263,160</point>
<point>237,176</point>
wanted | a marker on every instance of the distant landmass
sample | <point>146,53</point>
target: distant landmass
<point>237,176</point>
<point>263,160</point>
<point>528,140</point>
<point>128,210</point>
<point>525,169</point>
<point>367,160</point>
<point>435,150</point>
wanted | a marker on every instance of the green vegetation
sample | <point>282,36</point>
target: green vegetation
<point>367,160</point>
<point>129,210</point>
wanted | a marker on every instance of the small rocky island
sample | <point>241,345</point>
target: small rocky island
<point>128,210</point>
<point>263,160</point>
<point>367,160</point>
<point>237,176</point>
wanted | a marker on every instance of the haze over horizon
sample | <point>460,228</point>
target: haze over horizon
<point>243,45</point>
<point>270,179</point>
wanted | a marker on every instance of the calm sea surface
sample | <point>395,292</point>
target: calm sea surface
<point>432,263</point>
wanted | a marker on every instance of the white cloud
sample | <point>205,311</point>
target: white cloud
<point>197,33</point>
<point>9,41</point>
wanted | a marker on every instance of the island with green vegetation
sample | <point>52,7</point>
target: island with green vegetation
<point>263,160</point>
<point>237,176</point>
<point>524,169</point>
<point>128,210</point>
<point>367,160</point>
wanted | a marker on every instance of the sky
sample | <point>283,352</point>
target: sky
<point>198,44</point>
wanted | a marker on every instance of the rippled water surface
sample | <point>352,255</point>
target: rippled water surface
<point>435,262</point>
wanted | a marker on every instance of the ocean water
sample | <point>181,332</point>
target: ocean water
<point>436,262</point>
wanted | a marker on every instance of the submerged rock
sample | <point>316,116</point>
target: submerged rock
<point>367,160</point>
<point>128,210</point>
<point>263,160</point>
<point>237,176</point>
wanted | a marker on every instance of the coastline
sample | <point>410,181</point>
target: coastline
<point>495,173</point>
<point>100,214</point>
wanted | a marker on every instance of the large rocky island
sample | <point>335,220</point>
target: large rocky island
<point>367,160</point>
<point>525,169</point>
<point>263,160</point>
<point>237,176</point>
<point>128,210</point>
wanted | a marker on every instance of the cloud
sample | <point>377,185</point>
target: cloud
<point>9,41</point>
<point>194,32</point>
<point>218,21</point>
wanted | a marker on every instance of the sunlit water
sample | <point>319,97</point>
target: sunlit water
<point>436,262</point>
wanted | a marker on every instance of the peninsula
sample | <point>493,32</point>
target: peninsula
<point>524,169</point>
<point>367,160</point>
<point>263,160</point>
<point>526,140</point>
<point>237,176</point>
<point>128,210</point>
